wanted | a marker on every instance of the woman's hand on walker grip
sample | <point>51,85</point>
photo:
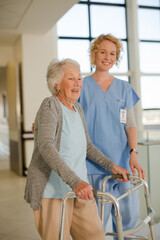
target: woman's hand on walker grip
<point>84,191</point>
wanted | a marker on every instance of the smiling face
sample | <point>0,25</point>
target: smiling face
<point>71,84</point>
<point>105,56</point>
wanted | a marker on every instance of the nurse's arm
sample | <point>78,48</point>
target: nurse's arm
<point>132,142</point>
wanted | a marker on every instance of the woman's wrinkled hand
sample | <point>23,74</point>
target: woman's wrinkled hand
<point>84,191</point>
<point>118,170</point>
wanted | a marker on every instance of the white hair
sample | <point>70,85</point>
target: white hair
<point>55,72</point>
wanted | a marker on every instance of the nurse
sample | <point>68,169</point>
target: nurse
<point>108,106</point>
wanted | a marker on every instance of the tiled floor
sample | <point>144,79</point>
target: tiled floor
<point>16,217</point>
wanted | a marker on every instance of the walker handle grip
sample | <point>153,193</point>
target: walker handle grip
<point>115,176</point>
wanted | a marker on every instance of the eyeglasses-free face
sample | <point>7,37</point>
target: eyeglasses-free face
<point>106,56</point>
<point>71,84</point>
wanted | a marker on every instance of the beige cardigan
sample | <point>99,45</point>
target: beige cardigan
<point>47,136</point>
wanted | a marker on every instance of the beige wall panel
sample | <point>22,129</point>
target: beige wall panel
<point>38,51</point>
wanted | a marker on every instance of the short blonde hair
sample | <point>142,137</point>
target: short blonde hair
<point>95,46</point>
<point>55,72</point>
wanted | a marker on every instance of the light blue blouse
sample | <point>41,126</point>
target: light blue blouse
<point>73,152</point>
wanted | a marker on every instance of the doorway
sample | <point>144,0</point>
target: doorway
<point>4,127</point>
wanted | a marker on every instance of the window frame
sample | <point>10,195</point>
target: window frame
<point>129,73</point>
<point>149,41</point>
<point>90,38</point>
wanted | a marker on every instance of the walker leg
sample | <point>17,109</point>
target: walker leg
<point>102,210</point>
<point>148,204</point>
<point>121,235</point>
<point>119,227</point>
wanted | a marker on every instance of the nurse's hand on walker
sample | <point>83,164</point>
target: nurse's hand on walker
<point>118,170</point>
<point>134,164</point>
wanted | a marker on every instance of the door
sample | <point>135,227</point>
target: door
<point>14,117</point>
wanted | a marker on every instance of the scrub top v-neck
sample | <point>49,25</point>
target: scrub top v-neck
<point>102,113</point>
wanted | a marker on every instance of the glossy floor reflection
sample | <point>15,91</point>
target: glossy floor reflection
<point>16,217</point>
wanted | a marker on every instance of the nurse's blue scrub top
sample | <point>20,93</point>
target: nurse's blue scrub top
<point>102,113</point>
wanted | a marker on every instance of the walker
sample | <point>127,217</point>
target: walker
<point>109,198</point>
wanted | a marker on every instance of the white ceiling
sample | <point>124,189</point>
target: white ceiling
<point>29,16</point>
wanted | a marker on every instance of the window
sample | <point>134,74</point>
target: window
<point>75,49</point>
<point>149,57</point>
<point>147,18</point>
<point>90,18</point>
<point>102,20</point>
<point>153,3</point>
<point>84,22</point>
<point>150,87</point>
<point>75,22</point>
<point>149,52</point>
<point>109,1</point>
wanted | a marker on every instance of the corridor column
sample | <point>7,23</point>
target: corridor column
<point>133,45</point>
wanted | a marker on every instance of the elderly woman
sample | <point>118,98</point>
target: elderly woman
<point>61,144</point>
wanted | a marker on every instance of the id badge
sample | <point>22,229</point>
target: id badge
<point>123,116</point>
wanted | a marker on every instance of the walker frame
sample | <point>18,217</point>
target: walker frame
<point>109,198</point>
